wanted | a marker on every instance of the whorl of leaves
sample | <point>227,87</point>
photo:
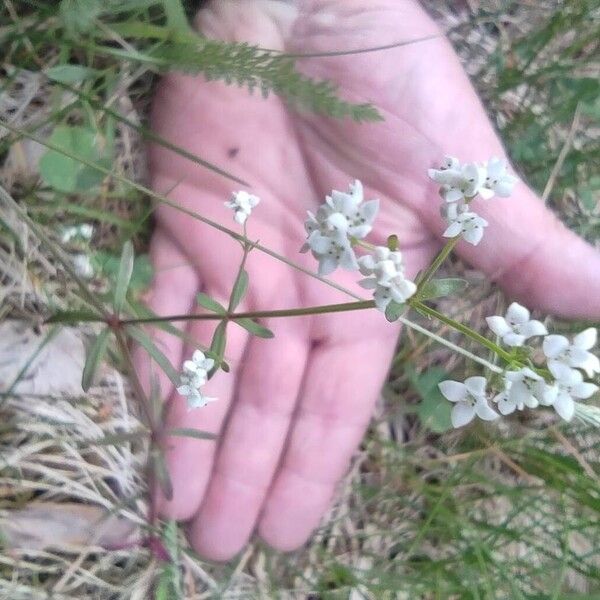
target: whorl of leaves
<point>254,68</point>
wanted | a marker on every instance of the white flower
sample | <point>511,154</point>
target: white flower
<point>84,231</point>
<point>558,350</point>
<point>469,398</point>
<point>468,224</point>
<point>524,388</point>
<point>515,327</point>
<point>331,253</point>
<point>383,264</point>
<point>497,181</point>
<point>195,397</point>
<point>569,386</point>
<point>83,266</point>
<point>342,217</point>
<point>242,203</point>
<point>349,214</point>
<point>458,182</point>
<point>386,276</point>
<point>399,289</point>
<point>194,376</point>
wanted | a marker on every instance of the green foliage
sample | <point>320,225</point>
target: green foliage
<point>94,358</point>
<point>123,276</point>
<point>210,304</point>
<point>254,328</point>
<point>66,174</point>
<point>440,288</point>
<point>256,69</point>
<point>433,410</point>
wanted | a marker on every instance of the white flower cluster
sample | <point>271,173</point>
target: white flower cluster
<point>334,230</point>
<point>343,217</point>
<point>384,273</point>
<point>242,204</point>
<point>525,387</point>
<point>194,376</point>
<point>459,186</point>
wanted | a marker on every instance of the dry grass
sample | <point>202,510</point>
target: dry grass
<point>415,506</point>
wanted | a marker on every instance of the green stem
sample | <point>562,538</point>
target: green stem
<point>467,331</point>
<point>287,312</point>
<point>437,263</point>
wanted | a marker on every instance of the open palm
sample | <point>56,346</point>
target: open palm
<point>294,408</point>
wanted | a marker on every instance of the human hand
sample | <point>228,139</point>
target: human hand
<point>293,409</point>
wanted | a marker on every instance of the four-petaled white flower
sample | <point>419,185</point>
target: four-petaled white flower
<point>458,182</point>
<point>470,400</point>
<point>342,218</point>
<point>468,224</point>
<point>515,327</point>
<point>194,376</point>
<point>558,350</point>
<point>242,204</point>
<point>569,387</point>
<point>331,253</point>
<point>385,273</point>
<point>498,182</point>
<point>524,388</point>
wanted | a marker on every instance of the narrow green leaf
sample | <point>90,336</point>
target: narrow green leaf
<point>207,302</point>
<point>394,310</point>
<point>123,275</point>
<point>142,338</point>
<point>217,346</point>
<point>161,472</point>
<point>254,328</point>
<point>94,358</point>
<point>193,433</point>
<point>68,73</point>
<point>439,288</point>
<point>117,439</point>
<point>239,289</point>
<point>73,316</point>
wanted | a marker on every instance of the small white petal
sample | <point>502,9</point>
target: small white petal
<point>533,328</point>
<point>513,339</point>
<point>517,314</point>
<point>583,390</point>
<point>586,339</point>
<point>505,406</point>
<point>519,393</point>
<point>484,411</point>
<point>564,406</point>
<point>548,395</point>
<point>453,230</point>
<point>498,325</point>
<point>473,236</point>
<point>327,265</point>
<point>453,390</point>
<point>462,413</point>
<point>452,195</point>
<point>563,373</point>
<point>554,345</point>
<point>591,365</point>
<point>476,385</point>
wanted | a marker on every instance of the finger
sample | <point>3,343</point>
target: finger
<point>172,292</point>
<point>253,441</point>
<point>341,385</point>
<point>535,258</point>
<point>190,460</point>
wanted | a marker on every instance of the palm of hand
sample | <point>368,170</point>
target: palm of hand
<point>300,403</point>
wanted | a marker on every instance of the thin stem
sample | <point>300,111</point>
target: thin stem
<point>437,263</point>
<point>135,380</point>
<point>470,333</point>
<point>287,312</point>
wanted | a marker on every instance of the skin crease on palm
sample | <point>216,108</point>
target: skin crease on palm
<point>293,409</point>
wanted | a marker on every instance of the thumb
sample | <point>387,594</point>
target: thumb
<point>535,257</point>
